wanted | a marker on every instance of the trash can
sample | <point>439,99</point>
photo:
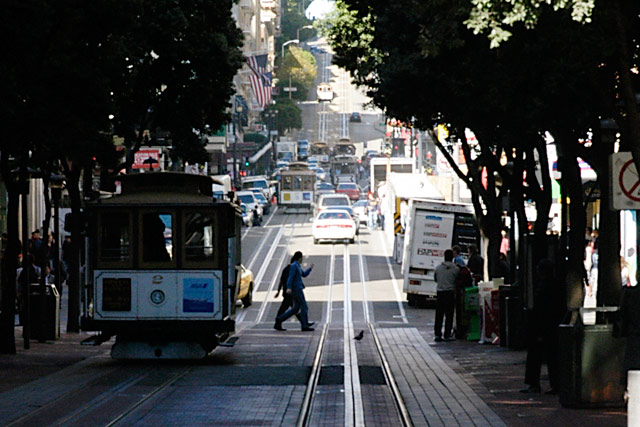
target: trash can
<point>590,362</point>
<point>511,318</point>
<point>471,306</point>
<point>44,316</point>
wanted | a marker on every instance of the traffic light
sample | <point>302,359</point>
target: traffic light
<point>246,162</point>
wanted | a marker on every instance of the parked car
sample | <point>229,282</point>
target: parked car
<point>360,208</point>
<point>355,117</point>
<point>327,200</point>
<point>264,203</point>
<point>354,216</point>
<point>249,199</point>
<point>333,225</point>
<point>247,215</point>
<point>350,189</point>
<point>245,289</point>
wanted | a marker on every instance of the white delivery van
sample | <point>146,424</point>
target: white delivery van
<point>221,186</point>
<point>433,227</point>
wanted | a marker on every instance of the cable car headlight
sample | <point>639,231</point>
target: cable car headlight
<point>157,297</point>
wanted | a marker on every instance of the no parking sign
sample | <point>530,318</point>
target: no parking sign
<point>625,182</point>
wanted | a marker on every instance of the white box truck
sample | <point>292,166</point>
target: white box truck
<point>287,151</point>
<point>379,166</point>
<point>433,227</point>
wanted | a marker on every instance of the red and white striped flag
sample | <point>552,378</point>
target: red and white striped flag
<point>260,79</point>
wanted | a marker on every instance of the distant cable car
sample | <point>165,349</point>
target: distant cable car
<point>325,93</point>
<point>297,187</point>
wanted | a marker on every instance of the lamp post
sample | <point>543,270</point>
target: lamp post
<point>288,42</point>
<point>56,184</point>
<point>237,125</point>
<point>302,28</point>
<point>271,116</point>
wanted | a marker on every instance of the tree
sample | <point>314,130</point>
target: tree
<point>289,115</point>
<point>298,68</point>
<point>508,96</point>
<point>77,73</point>
<point>618,23</point>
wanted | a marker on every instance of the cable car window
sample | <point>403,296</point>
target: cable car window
<point>157,237</point>
<point>307,183</point>
<point>115,239</point>
<point>297,183</point>
<point>198,237</point>
<point>286,183</point>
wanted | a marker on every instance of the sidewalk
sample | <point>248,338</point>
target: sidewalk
<point>44,359</point>
<point>496,374</point>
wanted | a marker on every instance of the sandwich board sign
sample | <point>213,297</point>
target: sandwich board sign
<point>624,181</point>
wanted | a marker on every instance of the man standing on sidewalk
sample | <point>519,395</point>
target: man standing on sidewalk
<point>295,287</point>
<point>445,276</point>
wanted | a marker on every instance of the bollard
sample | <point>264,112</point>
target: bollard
<point>633,394</point>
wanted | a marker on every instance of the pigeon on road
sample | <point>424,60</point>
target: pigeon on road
<point>359,336</point>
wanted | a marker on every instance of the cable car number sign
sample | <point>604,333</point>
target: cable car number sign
<point>625,182</point>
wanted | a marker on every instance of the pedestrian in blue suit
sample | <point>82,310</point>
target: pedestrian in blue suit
<point>295,287</point>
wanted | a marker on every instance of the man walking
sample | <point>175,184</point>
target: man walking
<point>445,276</point>
<point>287,298</point>
<point>295,287</point>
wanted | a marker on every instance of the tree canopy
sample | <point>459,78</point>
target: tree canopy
<point>75,74</point>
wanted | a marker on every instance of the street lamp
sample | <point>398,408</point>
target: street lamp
<point>302,28</point>
<point>236,127</point>
<point>289,42</point>
<point>271,116</point>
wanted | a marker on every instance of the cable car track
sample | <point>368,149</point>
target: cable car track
<point>354,414</point>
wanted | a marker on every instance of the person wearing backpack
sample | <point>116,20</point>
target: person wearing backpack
<point>295,287</point>
<point>287,299</point>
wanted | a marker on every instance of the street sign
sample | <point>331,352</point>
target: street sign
<point>290,89</point>
<point>147,158</point>
<point>444,168</point>
<point>625,183</point>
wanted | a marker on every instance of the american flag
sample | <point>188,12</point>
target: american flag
<point>260,79</point>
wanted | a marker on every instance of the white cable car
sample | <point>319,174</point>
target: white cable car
<point>162,265</point>
<point>325,93</point>
<point>297,187</point>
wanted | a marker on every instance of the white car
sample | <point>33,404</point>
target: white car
<point>334,224</point>
<point>360,208</point>
<point>333,199</point>
<point>249,199</point>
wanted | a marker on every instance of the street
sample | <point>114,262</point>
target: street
<point>352,288</point>
<point>264,379</point>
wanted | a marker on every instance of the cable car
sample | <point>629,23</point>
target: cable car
<point>344,169</point>
<point>297,187</point>
<point>321,151</point>
<point>162,267</point>
<point>324,91</point>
